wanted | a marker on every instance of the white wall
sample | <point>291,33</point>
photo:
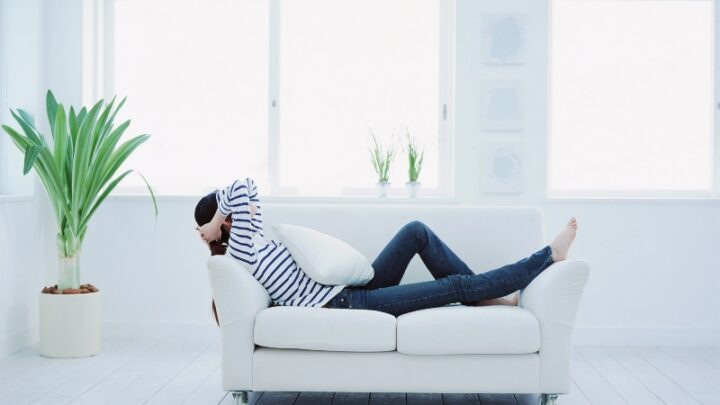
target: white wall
<point>654,277</point>
<point>21,260</point>
<point>20,62</point>
<point>21,246</point>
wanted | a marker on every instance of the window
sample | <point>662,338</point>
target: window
<point>631,86</point>
<point>196,76</point>
<point>346,67</point>
<point>284,91</point>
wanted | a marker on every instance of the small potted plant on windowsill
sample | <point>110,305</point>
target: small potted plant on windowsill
<point>382,157</point>
<point>415,162</point>
<point>78,172</point>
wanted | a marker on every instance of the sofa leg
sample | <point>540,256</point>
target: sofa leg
<point>240,397</point>
<point>548,399</point>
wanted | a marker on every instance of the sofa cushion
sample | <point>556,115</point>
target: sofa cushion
<point>328,329</point>
<point>459,329</point>
<point>323,258</point>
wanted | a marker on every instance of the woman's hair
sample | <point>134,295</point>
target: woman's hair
<point>204,212</point>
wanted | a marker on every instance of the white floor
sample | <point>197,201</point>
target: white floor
<point>188,373</point>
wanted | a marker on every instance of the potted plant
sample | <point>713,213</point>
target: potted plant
<point>78,172</point>
<point>382,158</point>
<point>415,162</point>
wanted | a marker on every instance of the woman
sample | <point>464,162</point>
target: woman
<point>230,220</point>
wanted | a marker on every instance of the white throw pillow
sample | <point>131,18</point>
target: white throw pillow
<point>323,258</point>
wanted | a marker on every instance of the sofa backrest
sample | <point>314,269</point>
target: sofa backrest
<point>484,237</point>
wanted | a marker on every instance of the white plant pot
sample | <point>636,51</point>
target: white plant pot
<point>383,187</point>
<point>70,324</point>
<point>413,188</point>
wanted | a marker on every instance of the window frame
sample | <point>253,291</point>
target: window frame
<point>98,50</point>
<point>612,194</point>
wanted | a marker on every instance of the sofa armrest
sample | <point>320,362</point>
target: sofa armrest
<point>554,298</point>
<point>238,299</point>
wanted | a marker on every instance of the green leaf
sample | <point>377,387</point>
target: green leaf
<point>152,194</point>
<point>60,137</point>
<point>51,105</point>
<point>118,157</point>
<point>21,141</point>
<point>82,114</point>
<point>81,157</point>
<point>100,160</point>
<point>100,126</point>
<point>102,197</point>
<point>27,128</point>
<point>25,116</point>
<point>73,121</point>
<point>31,155</point>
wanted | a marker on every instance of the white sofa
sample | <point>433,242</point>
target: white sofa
<point>453,349</point>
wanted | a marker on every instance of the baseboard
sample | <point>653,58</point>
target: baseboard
<point>165,331</point>
<point>642,337</point>
<point>14,342</point>
<point>137,331</point>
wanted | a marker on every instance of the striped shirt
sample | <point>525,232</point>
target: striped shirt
<point>269,261</point>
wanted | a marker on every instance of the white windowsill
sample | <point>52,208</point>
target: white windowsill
<point>278,199</point>
<point>631,200</point>
<point>428,200</point>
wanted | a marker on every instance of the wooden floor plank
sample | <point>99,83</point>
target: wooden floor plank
<point>592,384</point>
<point>527,399</point>
<point>228,399</point>
<point>24,363</point>
<point>27,386</point>
<point>460,399</point>
<point>709,354</point>
<point>574,397</point>
<point>12,364</point>
<point>424,399</point>
<point>278,398</point>
<point>209,392</point>
<point>696,364</point>
<point>70,385</point>
<point>624,383</point>
<point>351,398</point>
<point>497,399</point>
<point>115,382</point>
<point>697,385</point>
<point>662,386</point>
<point>145,377</point>
<point>180,387</point>
<point>315,398</point>
<point>254,397</point>
<point>387,398</point>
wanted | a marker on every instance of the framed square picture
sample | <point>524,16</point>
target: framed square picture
<point>503,38</point>
<point>502,105</point>
<point>501,167</point>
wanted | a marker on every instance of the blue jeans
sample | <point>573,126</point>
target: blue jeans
<point>454,281</point>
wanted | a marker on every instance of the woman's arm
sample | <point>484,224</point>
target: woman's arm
<point>256,211</point>
<point>234,200</point>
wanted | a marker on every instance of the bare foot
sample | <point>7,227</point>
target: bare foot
<point>561,244</point>
<point>512,301</point>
